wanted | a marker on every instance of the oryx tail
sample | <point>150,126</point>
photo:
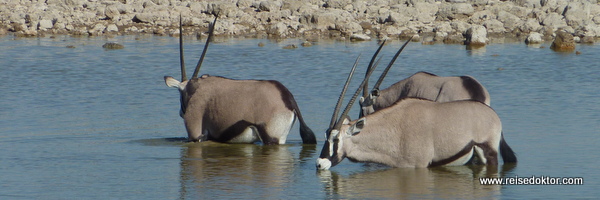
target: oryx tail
<point>508,155</point>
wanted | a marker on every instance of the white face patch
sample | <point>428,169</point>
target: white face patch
<point>334,134</point>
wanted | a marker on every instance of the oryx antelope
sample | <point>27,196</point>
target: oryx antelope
<point>416,133</point>
<point>421,85</point>
<point>236,111</point>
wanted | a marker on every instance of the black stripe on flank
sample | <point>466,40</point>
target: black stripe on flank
<point>286,95</point>
<point>474,88</point>
<point>468,148</point>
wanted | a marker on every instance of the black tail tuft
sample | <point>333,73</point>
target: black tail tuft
<point>308,136</point>
<point>508,155</point>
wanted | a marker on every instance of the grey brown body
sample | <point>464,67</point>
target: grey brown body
<point>421,133</point>
<point>236,111</point>
<point>426,86</point>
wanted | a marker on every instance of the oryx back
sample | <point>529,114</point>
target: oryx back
<point>429,86</point>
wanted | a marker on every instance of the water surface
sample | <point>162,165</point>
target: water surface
<point>86,122</point>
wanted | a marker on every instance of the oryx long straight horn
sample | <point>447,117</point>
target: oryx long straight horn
<point>211,31</point>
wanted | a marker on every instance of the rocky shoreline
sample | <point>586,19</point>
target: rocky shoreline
<point>443,21</point>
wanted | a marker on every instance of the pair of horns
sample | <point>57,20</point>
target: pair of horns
<point>211,30</point>
<point>337,123</point>
<point>385,71</point>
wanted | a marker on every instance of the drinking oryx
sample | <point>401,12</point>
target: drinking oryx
<point>236,111</point>
<point>421,85</point>
<point>416,133</point>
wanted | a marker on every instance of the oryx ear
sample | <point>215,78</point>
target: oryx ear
<point>357,127</point>
<point>346,120</point>
<point>361,100</point>
<point>171,82</point>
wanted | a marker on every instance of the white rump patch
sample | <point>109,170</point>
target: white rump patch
<point>250,135</point>
<point>280,125</point>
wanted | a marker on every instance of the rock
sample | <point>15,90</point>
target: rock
<point>577,14</point>
<point>359,37</point>
<point>563,42</point>
<point>509,20</point>
<point>306,44</point>
<point>534,38</point>
<point>271,6</point>
<point>528,3</point>
<point>494,26</point>
<point>450,11</point>
<point>144,18</point>
<point>530,25</point>
<point>339,4</point>
<point>588,40</point>
<point>456,38</point>
<point>476,36</point>
<point>554,20</point>
<point>45,24</point>
<point>98,29</point>
<point>112,28</point>
<point>290,46</point>
<point>112,45</point>
<point>112,12</point>
<point>443,20</point>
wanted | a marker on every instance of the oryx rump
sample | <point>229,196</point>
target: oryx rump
<point>236,111</point>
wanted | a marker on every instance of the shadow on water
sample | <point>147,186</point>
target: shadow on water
<point>172,141</point>
<point>456,182</point>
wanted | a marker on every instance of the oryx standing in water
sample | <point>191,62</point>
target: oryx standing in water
<point>236,111</point>
<point>421,85</point>
<point>416,133</point>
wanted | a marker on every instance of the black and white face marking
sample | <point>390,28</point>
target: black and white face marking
<point>329,154</point>
<point>332,152</point>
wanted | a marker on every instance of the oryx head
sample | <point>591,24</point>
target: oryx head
<point>340,129</point>
<point>185,92</point>
<point>369,98</point>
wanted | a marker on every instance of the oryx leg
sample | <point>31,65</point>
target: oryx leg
<point>486,154</point>
<point>195,130</point>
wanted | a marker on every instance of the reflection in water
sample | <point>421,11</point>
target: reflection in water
<point>456,182</point>
<point>476,50</point>
<point>225,170</point>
